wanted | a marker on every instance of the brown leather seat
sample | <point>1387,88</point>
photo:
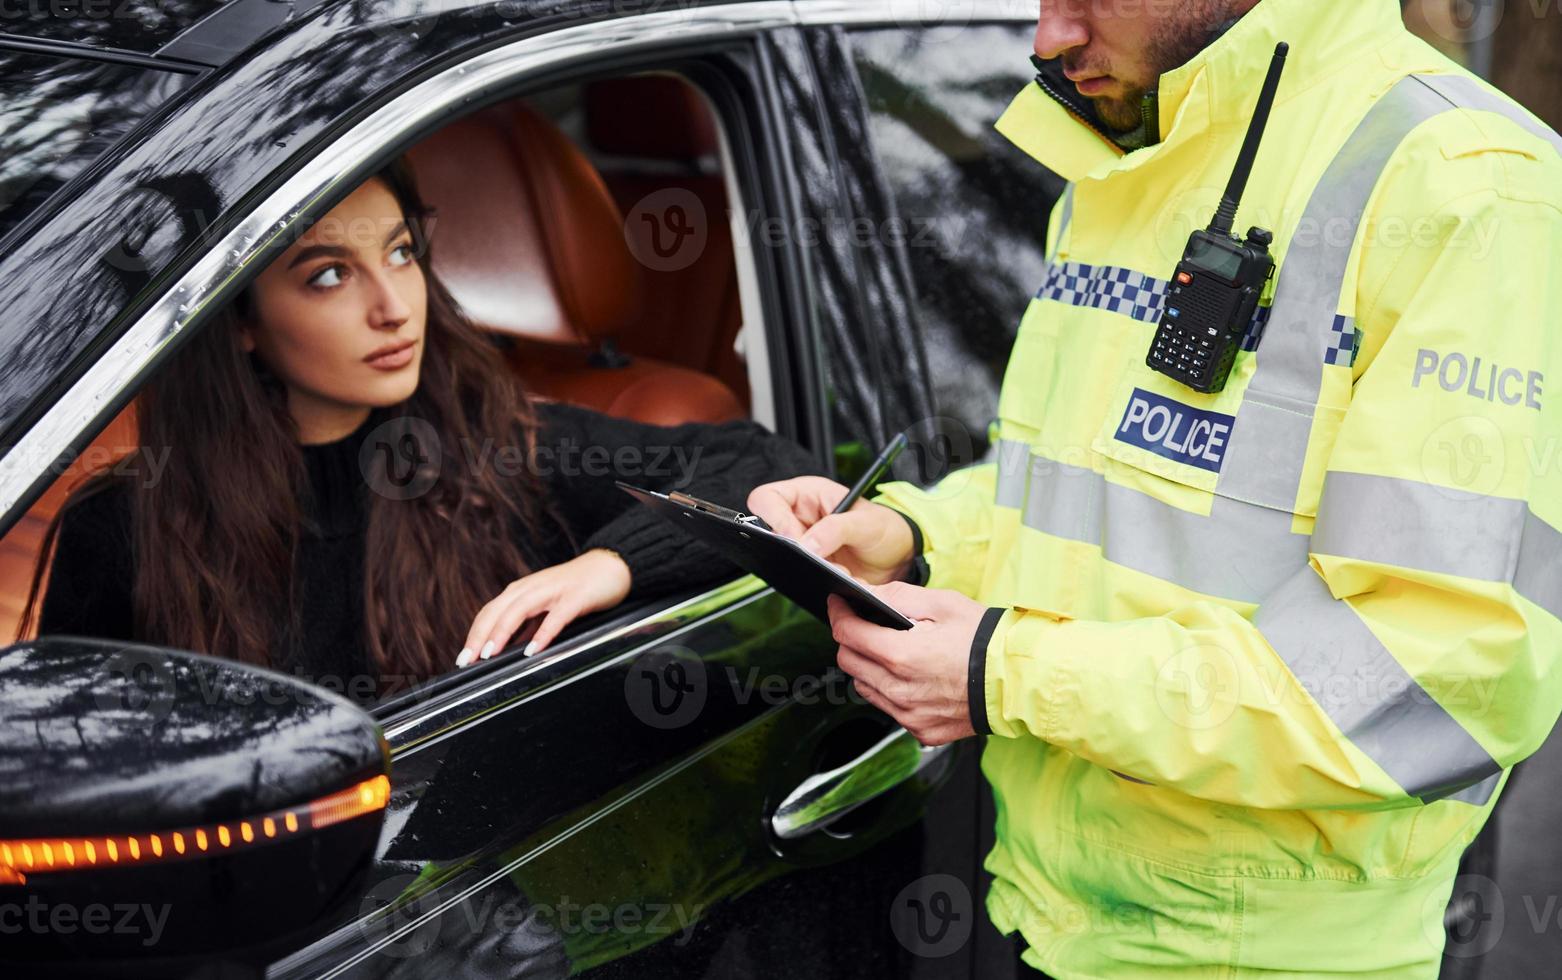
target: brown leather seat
<point>20,547</point>
<point>531,244</point>
<point>662,134</point>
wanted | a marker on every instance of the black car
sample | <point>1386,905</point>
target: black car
<point>817,213</point>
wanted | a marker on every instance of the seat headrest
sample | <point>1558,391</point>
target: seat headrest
<point>660,117</point>
<point>526,235</point>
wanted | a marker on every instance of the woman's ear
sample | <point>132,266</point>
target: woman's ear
<point>246,335</point>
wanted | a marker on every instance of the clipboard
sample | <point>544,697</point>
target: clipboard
<point>783,564</point>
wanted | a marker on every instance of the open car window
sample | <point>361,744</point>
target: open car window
<point>639,168</point>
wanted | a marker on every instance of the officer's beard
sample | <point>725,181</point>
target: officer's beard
<point>1175,43</point>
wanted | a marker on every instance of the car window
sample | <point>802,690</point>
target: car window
<point>59,114</point>
<point>636,163</point>
<point>975,207</point>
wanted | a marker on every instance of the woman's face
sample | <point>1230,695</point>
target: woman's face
<point>348,289</point>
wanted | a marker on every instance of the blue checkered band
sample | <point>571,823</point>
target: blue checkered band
<point>1105,287</point>
<point>1345,341</point>
<point>1119,290</point>
<point>1255,330</point>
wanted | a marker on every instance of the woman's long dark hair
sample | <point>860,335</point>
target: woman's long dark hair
<point>216,538</point>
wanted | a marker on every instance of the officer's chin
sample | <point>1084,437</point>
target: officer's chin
<point>1121,115</point>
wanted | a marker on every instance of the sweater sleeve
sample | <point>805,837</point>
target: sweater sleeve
<point>89,590</point>
<point>719,463</point>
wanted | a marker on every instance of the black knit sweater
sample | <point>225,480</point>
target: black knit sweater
<point>580,454</point>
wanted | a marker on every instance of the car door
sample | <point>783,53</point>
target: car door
<point>681,790</point>
<point>630,805</point>
<point>929,240</point>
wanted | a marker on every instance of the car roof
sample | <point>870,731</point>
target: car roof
<point>211,32</point>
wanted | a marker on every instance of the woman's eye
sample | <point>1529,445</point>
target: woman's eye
<point>330,276</point>
<point>401,254</point>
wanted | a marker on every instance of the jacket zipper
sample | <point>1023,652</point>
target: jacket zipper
<point>1062,100</point>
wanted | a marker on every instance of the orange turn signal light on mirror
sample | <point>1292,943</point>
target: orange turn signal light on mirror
<point>19,858</point>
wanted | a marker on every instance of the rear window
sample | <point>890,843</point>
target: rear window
<point>57,115</point>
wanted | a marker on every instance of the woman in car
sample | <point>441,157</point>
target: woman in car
<point>356,487</point>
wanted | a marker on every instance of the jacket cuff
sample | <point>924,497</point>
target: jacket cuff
<point>919,570</point>
<point>976,673</point>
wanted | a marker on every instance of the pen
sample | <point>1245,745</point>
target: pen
<point>875,472</point>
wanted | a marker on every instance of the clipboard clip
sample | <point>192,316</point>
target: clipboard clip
<point>716,510</point>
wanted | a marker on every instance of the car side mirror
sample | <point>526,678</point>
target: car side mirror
<point>171,814</point>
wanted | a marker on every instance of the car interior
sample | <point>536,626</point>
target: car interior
<point>530,234</point>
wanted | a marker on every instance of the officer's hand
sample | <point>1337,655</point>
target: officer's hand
<point>870,541</point>
<point>916,676</point>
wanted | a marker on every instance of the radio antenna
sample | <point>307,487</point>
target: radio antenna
<point>1226,214</point>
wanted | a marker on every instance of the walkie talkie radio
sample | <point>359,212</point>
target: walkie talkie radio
<point>1215,291</point>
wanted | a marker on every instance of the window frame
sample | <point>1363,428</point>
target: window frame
<point>455,697</point>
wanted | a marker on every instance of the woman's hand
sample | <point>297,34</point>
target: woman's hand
<point>871,541</point>
<point>588,583</point>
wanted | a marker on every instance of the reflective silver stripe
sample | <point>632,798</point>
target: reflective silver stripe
<point>1463,92</point>
<point>1269,441</point>
<point>1239,552</point>
<point>1269,445</point>
<point>1538,576</point>
<point>1013,467</point>
<point>1418,525</point>
<point>1479,793</point>
<point>1436,529</point>
<point>1065,215</point>
<point>1064,501</point>
<point>1369,695</point>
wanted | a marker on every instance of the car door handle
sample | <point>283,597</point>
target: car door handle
<point>825,797</point>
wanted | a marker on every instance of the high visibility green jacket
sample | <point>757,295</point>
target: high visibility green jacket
<point>1260,660</point>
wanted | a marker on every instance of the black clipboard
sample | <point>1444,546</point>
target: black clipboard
<point>781,562</point>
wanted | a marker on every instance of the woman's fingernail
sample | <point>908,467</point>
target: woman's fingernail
<point>465,657</point>
<point>488,649</point>
<point>531,648</point>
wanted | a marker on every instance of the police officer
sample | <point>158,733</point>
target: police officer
<point>1252,667</point>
